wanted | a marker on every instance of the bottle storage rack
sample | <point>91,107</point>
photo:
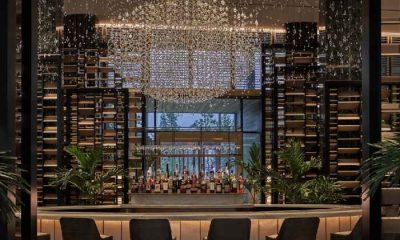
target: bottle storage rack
<point>96,118</point>
<point>49,142</point>
<point>344,124</point>
<point>390,91</point>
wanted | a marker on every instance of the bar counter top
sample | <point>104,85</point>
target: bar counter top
<point>198,212</point>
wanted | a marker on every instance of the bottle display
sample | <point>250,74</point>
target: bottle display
<point>224,181</point>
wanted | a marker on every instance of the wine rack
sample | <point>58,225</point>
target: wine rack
<point>96,117</point>
<point>49,72</point>
<point>136,137</point>
<point>344,124</point>
<point>390,91</point>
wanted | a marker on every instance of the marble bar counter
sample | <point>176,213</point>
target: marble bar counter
<point>191,222</point>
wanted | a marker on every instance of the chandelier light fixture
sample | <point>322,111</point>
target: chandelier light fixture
<point>183,51</point>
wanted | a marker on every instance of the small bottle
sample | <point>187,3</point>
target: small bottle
<point>149,180</point>
<point>218,186</point>
<point>157,186</point>
<point>165,185</point>
<point>241,184</point>
<point>211,186</point>
<point>227,185</point>
<point>234,183</point>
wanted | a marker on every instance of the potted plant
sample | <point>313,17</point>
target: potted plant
<point>89,181</point>
<point>382,166</point>
<point>254,173</point>
<point>292,183</point>
<point>10,181</point>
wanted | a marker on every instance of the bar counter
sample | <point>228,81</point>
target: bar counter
<point>191,222</point>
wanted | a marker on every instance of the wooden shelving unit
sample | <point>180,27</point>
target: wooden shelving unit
<point>136,137</point>
<point>344,124</point>
<point>48,148</point>
<point>96,109</point>
<point>96,118</point>
<point>390,91</point>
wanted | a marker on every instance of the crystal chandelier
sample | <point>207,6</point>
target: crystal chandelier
<point>183,51</point>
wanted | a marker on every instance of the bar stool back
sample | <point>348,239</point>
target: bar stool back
<point>229,229</point>
<point>150,229</point>
<point>80,228</point>
<point>298,228</point>
<point>355,234</point>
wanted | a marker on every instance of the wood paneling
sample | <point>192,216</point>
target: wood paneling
<point>321,234</point>
<point>267,227</point>
<point>176,229</point>
<point>190,230</point>
<point>125,231</point>
<point>332,225</point>
<point>47,226</point>
<point>205,227</point>
<point>113,228</point>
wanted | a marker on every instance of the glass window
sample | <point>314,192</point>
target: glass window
<point>251,115</point>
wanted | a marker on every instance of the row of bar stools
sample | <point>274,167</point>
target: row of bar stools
<point>220,229</point>
<point>154,229</point>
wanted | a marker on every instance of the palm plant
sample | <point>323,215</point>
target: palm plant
<point>10,181</point>
<point>292,183</point>
<point>255,172</point>
<point>322,190</point>
<point>85,177</point>
<point>382,166</point>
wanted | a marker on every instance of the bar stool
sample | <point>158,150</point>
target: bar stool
<point>301,228</point>
<point>81,228</point>
<point>229,229</point>
<point>150,229</point>
<point>356,234</point>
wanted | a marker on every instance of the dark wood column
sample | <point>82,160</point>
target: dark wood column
<point>7,74</point>
<point>7,90</point>
<point>28,109</point>
<point>371,106</point>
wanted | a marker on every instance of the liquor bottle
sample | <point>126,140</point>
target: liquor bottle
<point>234,183</point>
<point>175,183</point>
<point>188,185</point>
<point>157,186</point>
<point>165,184</point>
<point>148,185</point>
<point>241,184</point>
<point>227,184</point>
<point>193,187</point>
<point>182,187</point>
<point>203,186</point>
<point>211,186</point>
<point>149,180</point>
<point>218,186</point>
<point>170,184</point>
